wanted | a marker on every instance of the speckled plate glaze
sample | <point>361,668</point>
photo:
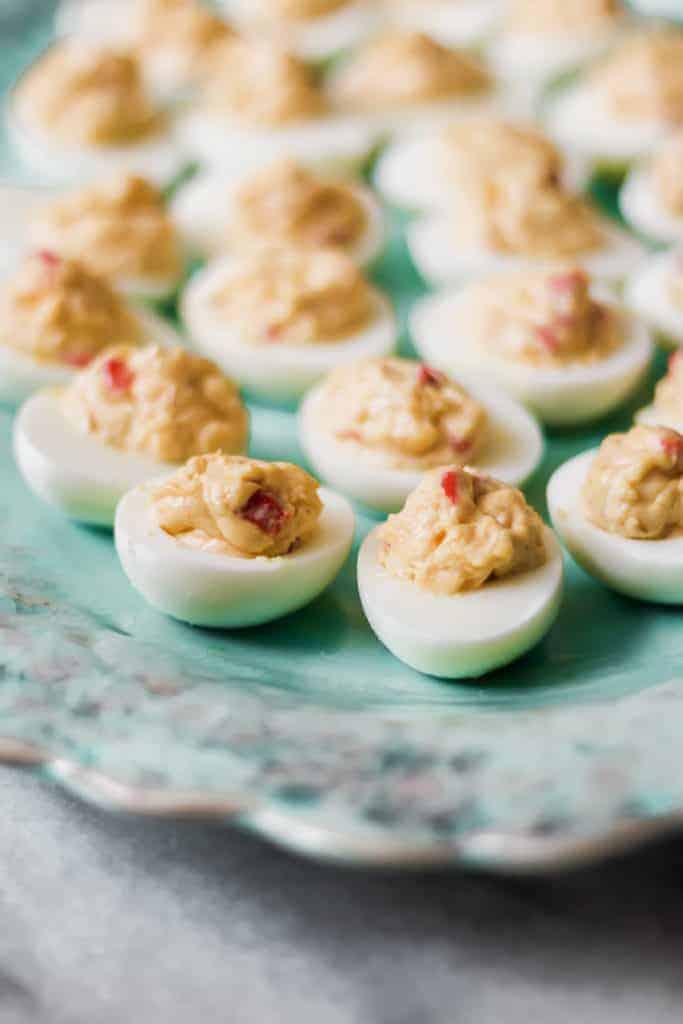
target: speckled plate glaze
<point>307,731</point>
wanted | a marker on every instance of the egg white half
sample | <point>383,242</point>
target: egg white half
<point>652,417</point>
<point>411,173</point>
<point>566,395</point>
<point>219,591</point>
<point>647,569</point>
<point>541,56</point>
<point>21,375</point>
<point>463,635</point>
<point>275,371</point>
<point>642,209</point>
<point>578,118</point>
<point>312,38</point>
<point>459,23</point>
<point>647,293</point>
<point>442,259</point>
<point>511,453</point>
<point>202,211</point>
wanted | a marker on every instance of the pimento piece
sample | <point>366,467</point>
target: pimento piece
<point>460,444</point>
<point>548,338</point>
<point>450,486</point>
<point>568,282</point>
<point>274,332</point>
<point>265,511</point>
<point>675,359</point>
<point>48,258</point>
<point>429,377</point>
<point>78,359</point>
<point>672,445</point>
<point>118,375</point>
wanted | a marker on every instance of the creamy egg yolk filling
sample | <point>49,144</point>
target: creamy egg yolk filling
<point>298,10</point>
<point>89,95</point>
<point>551,16</point>
<point>634,486</point>
<point>667,176</point>
<point>167,403</point>
<point>459,530</point>
<point>260,84</point>
<point>118,225</point>
<point>408,67</point>
<point>408,415</point>
<point>238,506</point>
<point>55,310</point>
<point>542,319</point>
<point>643,78</point>
<point>296,297</point>
<point>289,204</point>
<point>186,28</point>
<point>486,148</point>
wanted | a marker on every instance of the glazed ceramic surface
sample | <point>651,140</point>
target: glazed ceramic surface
<point>307,730</point>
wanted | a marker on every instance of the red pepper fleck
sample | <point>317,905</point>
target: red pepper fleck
<point>460,444</point>
<point>673,446</point>
<point>265,511</point>
<point>118,375</point>
<point>548,338</point>
<point>48,258</point>
<point>78,359</point>
<point>348,435</point>
<point>568,282</point>
<point>429,377</point>
<point>449,486</point>
<point>274,332</point>
<point>675,359</point>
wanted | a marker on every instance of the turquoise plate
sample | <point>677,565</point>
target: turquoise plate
<point>307,731</point>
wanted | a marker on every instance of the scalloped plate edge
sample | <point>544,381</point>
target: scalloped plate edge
<point>501,852</point>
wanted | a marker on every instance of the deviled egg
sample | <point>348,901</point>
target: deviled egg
<point>314,29</point>
<point>280,319</point>
<point>118,226</point>
<point>259,103</point>
<point>619,510</point>
<point>543,39</point>
<point>229,542</point>
<point>131,416</point>
<point>655,293</point>
<point>666,408</point>
<point>56,316</point>
<point>426,172</point>
<point>651,198</point>
<point>464,579</point>
<point>499,223</point>
<point>404,81</point>
<point>284,203</point>
<point>83,110</point>
<point>172,38</point>
<point>452,22</point>
<point>374,427</point>
<point>619,110</point>
<point>564,349</point>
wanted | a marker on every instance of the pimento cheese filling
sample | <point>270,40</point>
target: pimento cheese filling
<point>643,78</point>
<point>557,16</point>
<point>487,149</point>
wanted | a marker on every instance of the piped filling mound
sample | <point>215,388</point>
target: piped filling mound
<point>238,506</point>
<point>408,67</point>
<point>669,391</point>
<point>667,176</point>
<point>539,221</point>
<point>489,150</point>
<point>184,29</point>
<point>57,311</point>
<point>298,10</point>
<point>289,204</point>
<point>557,16</point>
<point>634,486</point>
<point>543,319</point>
<point>166,403</point>
<point>408,414</point>
<point>643,78</point>
<point>260,84</point>
<point>119,226</point>
<point>295,297</point>
<point>458,531</point>
<point>89,95</point>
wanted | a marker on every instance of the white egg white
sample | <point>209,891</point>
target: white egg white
<point>110,21</point>
<point>275,371</point>
<point>412,172</point>
<point>578,118</point>
<point>511,452</point>
<point>312,38</point>
<point>217,590</point>
<point>452,22</point>
<point>463,635</point>
<point>442,259</point>
<point>650,416</point>
<point>202,211</point>
<point>159,158</point>
<point>21,374</point>
<point>566,395</point>
<point>648,569</point>
<point>648,294</point>
<point>642,208</point>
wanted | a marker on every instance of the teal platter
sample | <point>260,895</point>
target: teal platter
<point>307,731</point>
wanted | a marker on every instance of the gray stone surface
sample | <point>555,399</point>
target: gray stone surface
<point>108,920</point>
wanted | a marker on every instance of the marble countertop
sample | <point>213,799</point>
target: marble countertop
<point>109,920</point>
